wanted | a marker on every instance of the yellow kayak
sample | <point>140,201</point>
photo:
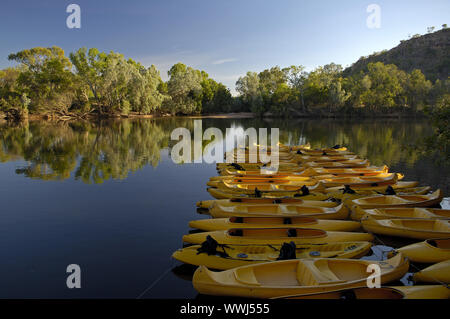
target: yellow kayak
<point>294,181</point>
<point>275,236</point>
<point>281,166</point>
<point>437,273</point>
<point>242,255</point>
<point>294,277</point>
<point>395,292</point>
<point>358,193</point>
<point>280,146</point>
<point>273,222</point>
<point>402,212</point>
<point>322,153</point>
<point>397,187</point>
<point>428,251</point>
<point>256,175</point>
<point>257,159</point>
<point>257,150</point>
<point>245,201</point>
<point>314,193</point>
<point>363,171</point>
<point>253,189</point>
<point>318,174</point>
<point>319,159</point>
<point>410,228</point>
<point>344,164</point>
<point>383,179</point>
<point>276,186</point>
<point>307,148</point>
<point>310,172</point>
<point>363,181</point>
<point>279,210</point>
<point>383,201</point>
<point>280,171</point>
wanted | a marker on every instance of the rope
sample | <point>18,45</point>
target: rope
<point>157,280</point>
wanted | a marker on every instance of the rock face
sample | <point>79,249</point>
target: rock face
<point>429,53</point>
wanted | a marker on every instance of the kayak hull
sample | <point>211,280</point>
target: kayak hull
<point>273,222</point>
<point>275,236</point>
<point>409,228</point>
<point>437,273</point>
<point>228,194</point>
<point>429,251</point>
<point>387,201</point>
<point>280,210</point>
<point>254,254</point>
<point>403,212</point>
<point>294,277</point>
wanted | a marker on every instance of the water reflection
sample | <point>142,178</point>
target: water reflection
<point>93,152</point>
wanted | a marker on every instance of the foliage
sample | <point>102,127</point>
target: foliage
<point>439,142</point>
<point>46,81</point>
<point>45,77</point>
<point>380,89</point>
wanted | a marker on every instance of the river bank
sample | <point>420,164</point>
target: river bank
<point>235,115</point>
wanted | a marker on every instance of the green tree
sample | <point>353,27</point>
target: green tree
<point>318,84</point>
<point>248,87</point>
<point>281,100</point>
<point>90,67</point>
<point>337,95</point>
<point>386,85</point>
<point>45,77</point>
<point>296,77</point>
<point>185,90</point>
<point>417,89</point>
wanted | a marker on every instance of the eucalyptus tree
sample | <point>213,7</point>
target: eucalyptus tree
<point>45,77</point>
<point>337,95</point>
<point>185,90</point>
<point>116,84</point>
<point>144,95</point>
<point>90,67</point>
<point>296,77</point>
<point>318,83</point>
<point>10,92</point>
<point>386,85</point>
<point>248,87</point>
<point>417,89</point>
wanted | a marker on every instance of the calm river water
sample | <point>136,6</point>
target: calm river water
<point>108,197</point>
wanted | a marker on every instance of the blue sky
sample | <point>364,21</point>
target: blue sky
<point>226,38</point>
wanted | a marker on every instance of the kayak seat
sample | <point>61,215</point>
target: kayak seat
<point>319,273</point>
<point>304,275</point>
<point>246,276</point>
<point>327,276</point>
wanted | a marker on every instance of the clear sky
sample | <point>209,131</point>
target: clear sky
<point>226,38</point>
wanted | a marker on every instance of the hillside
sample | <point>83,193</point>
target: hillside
<point>430,53</point>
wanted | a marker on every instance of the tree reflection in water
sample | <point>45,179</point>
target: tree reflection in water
<point>94,152</point>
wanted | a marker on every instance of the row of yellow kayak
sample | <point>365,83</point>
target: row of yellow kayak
<point>296,233</point>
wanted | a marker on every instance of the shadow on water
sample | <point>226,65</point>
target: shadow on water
<point>184,271</point>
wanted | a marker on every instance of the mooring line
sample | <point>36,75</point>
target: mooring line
<point>157,280</point>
